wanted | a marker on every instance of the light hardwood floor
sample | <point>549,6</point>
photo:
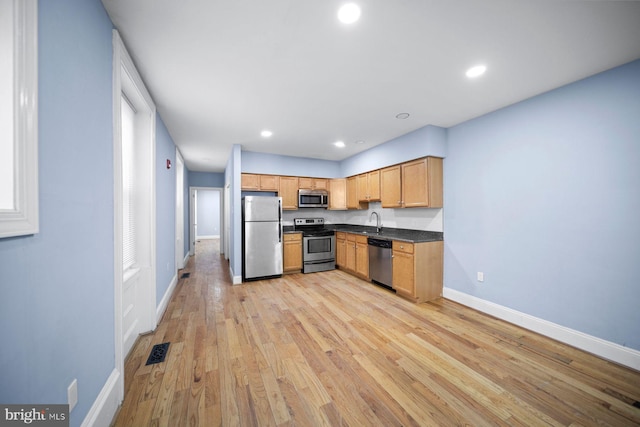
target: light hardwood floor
<point>330,349</point>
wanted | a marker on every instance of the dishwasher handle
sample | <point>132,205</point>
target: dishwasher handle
<point>381,243</point>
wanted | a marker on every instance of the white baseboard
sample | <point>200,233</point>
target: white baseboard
<point>106,404</point>
<point>602,348</point>
<point>166,298</point>
<point>236,280</point>
<point>186,259</point>
<point>207,237</point>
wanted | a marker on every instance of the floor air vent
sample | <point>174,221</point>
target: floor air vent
<point>158,353</point>
<point>636,404</point>
<point>185,275</point>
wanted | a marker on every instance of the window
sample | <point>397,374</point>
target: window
<point>128,185</point>
<point>18,118</point>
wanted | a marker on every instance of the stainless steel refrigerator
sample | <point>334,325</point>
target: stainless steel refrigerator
<point>261,237</point>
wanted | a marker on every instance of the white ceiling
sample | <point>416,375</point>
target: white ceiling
<point>221,71</point>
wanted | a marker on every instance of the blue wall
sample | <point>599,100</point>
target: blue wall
<point>206,179</point>
<point>426,141</point>
<point>286,165</point>
<point>232,177</point>
<point>165,210</point>
<point>57,294</point>
<point>57,287</point>
<point>208,214</point>
<point>543,197</point>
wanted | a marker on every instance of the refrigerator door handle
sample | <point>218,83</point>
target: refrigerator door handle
<point>279,220</point>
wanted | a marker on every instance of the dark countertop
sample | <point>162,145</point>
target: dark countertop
<point>404,234</point>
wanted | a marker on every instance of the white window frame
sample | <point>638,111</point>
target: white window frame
<point>23,218</point>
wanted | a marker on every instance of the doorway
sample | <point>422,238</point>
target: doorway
<point>205,216</point>
<point>134,115</point>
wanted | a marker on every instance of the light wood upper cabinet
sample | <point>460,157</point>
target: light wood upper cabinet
<point>391,187</point>
<point>415,191</point>
<point>417,270</point>
<point>269,182</point>
<point>292,252</point>
<point>313,183</point>
<point>257,182</point>
<point>250,181</point>
<point>422,183</point>
<point>353,200</point>
<point>338,194</point>
<point>361,184</point>
<point>373,183</point>
<point>413,184</point>
<point>288,190</point>
<point>369,186</point>
<point>417,183</point>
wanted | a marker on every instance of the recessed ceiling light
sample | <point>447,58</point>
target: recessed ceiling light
<point>476,71</point>
<point>359,142</point>
<point>349,13</point>
<point>266,133</point>
<point>339,144</point>
<point>402,116</point>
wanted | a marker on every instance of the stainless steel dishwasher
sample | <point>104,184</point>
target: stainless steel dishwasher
<point>380,265</point>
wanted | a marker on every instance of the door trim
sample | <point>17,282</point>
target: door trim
<point>192,217</point>
<point>126,77</point>
<point>180,255</point>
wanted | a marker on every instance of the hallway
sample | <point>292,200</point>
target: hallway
<point>330,349</point>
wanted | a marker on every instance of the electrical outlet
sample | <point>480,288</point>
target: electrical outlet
<point>72,394</point>
<point>480,276</point>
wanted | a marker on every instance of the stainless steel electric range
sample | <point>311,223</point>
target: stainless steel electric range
<point>318,245</point>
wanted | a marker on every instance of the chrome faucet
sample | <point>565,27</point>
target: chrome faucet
<point>378,225</point>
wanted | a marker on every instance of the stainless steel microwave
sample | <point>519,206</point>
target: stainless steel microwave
<point>313,199</point>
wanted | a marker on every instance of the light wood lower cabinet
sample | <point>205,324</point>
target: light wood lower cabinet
<point>417,267</point>
<point>417,270</point>
<point>362,257</point>
<point>341,249</point>
<point>292,252</point>
<point>352,253</point>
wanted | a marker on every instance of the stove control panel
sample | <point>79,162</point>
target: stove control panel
<point>308,221</point>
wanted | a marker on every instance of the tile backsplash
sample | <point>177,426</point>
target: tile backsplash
<point>412,218</point>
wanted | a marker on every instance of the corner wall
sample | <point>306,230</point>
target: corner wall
<point>543,197</point>
<point>57,287</point>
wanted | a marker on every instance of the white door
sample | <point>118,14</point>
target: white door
<point>134,208</point>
